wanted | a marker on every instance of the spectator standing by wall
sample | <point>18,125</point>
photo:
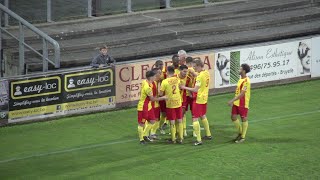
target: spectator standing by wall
<point>103,59</point>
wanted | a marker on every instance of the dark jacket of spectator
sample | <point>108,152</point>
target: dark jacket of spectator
<point>104,60</point>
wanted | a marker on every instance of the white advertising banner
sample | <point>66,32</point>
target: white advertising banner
<point>315,65</point>
<point>268,63</point>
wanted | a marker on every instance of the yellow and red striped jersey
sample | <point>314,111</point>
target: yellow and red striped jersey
<point>202,80</point>
<point>243,85</point>
<point>170,87</point>
<point>144,102</point>
<point>155,92</point>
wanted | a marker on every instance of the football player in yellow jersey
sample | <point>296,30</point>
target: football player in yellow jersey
<point>159,64</point>
<point>155,104</point>
<point>176,64</point>
<point>200,99</point>
<point>145,110</point>
<point>184,80</point>
<point>240,103</point>
<point>170,87</point>
<point>192,77</point>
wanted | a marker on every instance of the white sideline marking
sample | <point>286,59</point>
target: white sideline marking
<point>285,116</point>
<point>65,151</point>
<point>121,142</point>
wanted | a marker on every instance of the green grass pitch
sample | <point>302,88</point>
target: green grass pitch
<point>282,143</point>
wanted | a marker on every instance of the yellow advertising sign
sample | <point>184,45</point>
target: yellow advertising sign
<point>32,111</point>
<point>88,103</point>
<point>77,105</point>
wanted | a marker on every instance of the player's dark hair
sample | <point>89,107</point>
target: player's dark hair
<point>246,68</point>
<point>198,62</point>
<point>175,60</point>
<point>174,57</point>
<point>155,70</point>
<point>182,67</point>
<point>189,59</point>
<point>170,69</point>
<point>150,74</point>
<point>158,62</point>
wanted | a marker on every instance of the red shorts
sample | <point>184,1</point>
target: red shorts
<point>145,115</point>
<point>162,106</point>
<point>184,102</point>
<point>188,103</point>
<point>198,110</point>
<point>157,113</point>
<point>174,113</point>
<point>242,111</point>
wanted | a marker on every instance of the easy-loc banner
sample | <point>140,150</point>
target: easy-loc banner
<point>268,63</point>
<point>84,91</point>
<point>315,65</point>
<point>34,97</point>
<point>68,93</point>
<point>130,76</point>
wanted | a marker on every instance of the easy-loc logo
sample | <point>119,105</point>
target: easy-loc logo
<point>88,80</point>
<point>35,87</point>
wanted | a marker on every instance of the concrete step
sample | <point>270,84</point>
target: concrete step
<point>84,57</point>
<point>246,23</point>
<point>128,22</point>
<point>112,40</point>
<point>150,35</point>
<point>255,36</point>
<point>194,43</point>
<point>83,27</point>
<point>223,10</point>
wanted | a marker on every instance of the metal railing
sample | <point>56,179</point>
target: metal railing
<point>167,4</point>
<point>90,8</point>
<point>22,44</point>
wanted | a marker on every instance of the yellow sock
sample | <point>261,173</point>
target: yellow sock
<point>147,129</point>
<point>244,129</point>
<point>180,130</point>
<point>206,126</point>
<point>155,127</point>
<point>162,120</point>
<point>177,129</point>
<point>173,132</point>
<point>140,132</point>
<point>184,121</point>
<point>238,126</point>
<point>196,129</point>
<point>146,123</point>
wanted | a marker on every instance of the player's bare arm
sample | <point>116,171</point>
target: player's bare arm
<point>230,103</point>
<point>152,98</point>
<point>193,74</point>
<point>194,89</point>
